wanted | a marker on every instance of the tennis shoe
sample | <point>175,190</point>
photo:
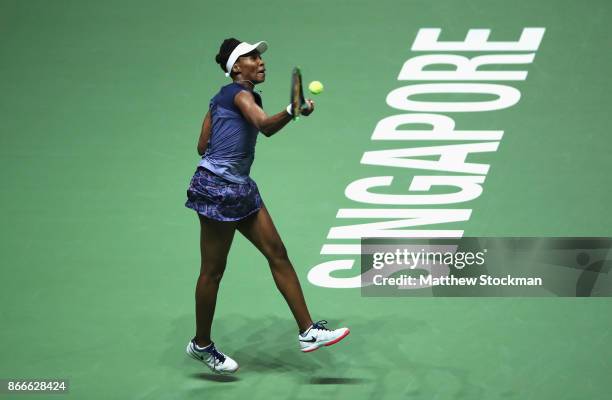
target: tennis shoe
<point>213,358</point>
<point>318,335</point>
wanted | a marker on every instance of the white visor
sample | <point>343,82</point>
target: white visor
<point>242,49</point>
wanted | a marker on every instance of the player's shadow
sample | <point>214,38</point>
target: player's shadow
<point>336,381</point>
<point>260,345</point>
<point>215,377</point>
<point>268,344</point>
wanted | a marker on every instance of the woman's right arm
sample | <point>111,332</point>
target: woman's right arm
<point>268,125</point>
<point>204,134</point>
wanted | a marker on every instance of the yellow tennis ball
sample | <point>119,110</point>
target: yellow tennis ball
<point>315,87</point>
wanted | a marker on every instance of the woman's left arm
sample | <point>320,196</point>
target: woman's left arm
<point>204,134</point>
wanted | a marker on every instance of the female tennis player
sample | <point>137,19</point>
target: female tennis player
<point>227,199</point>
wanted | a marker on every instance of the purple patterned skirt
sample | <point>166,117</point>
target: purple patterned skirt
<point>217,198</point>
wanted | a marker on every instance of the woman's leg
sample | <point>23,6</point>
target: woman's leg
<point>215,241</point>
<point>259,230</point>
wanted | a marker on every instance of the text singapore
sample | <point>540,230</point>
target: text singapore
<point>461,180</point>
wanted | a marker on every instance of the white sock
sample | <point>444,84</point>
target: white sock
<point>202,348</point>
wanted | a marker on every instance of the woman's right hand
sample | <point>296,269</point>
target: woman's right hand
<point>310,109</point>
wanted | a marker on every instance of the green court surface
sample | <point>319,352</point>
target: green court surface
<point>101,107</point>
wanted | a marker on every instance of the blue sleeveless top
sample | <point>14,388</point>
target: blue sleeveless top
<point>231,147</point>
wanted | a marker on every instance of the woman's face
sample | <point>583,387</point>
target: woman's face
<point>252,67</point>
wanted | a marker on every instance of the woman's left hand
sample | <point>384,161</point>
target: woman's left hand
<point>310,109</point>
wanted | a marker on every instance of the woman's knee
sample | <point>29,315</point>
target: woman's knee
<point>213,270</point>
<point>276,252</point>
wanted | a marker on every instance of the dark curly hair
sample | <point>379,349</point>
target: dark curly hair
<point>225,50</point>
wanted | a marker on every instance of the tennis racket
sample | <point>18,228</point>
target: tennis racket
<point>298,104</point>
